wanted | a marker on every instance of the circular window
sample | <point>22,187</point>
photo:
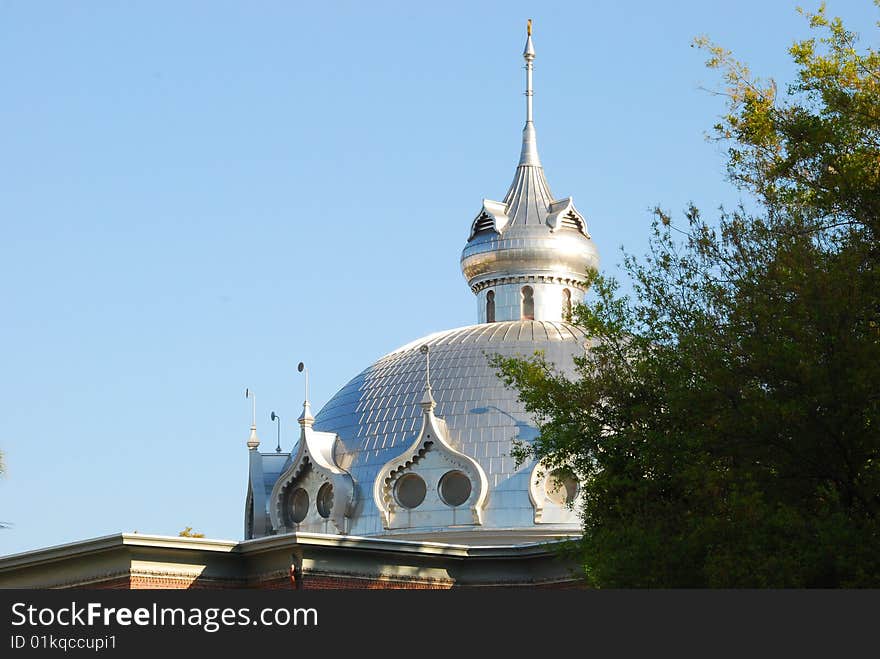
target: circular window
<point>455,488</point>
<point>299,505</point>
<point>561,487</point>
<point>325,500</point>
<point>410,490</point>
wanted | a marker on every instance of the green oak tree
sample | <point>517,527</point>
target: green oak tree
<point>725,427</point>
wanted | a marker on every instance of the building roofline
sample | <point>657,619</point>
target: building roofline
<point>270,543</point>
<point>114,541</point>
<point>397,546</point>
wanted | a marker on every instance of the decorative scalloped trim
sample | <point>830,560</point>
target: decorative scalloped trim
<point>580,284</point>
<point>395,474</point>
<point>383,489</point>
<point>286,482</point>
<point>342,482</point>
<point>536,490</point>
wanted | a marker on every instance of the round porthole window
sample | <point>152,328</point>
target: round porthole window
<point>325,500</point>
<point>299,505</point>
<point>455,488</point>
<point>561,487</point>
<point>410,490</point>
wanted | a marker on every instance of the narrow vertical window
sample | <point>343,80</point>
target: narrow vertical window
<point>490,307</point>
<point>566,304</point>
<point>528,303</point>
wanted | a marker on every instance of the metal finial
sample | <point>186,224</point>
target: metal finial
<point>253,442</point>
<point>306,418</point>
<point>428,399</point>
<point>426,351</point>
<point>529,154</point>
<point>529,27</point>
<point>277,418</point>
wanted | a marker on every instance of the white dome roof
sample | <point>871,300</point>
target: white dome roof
<point>377,416</point>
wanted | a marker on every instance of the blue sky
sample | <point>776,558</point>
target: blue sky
<point>196,196</point>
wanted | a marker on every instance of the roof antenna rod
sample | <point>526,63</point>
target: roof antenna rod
<point>302,367</point>
<point>275,417</point>
<point>249,393</point>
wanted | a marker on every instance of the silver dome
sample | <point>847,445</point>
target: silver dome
<point>396,457</point>
<point>377,416</point>
<point>528,233</point>
<point>535,251</point>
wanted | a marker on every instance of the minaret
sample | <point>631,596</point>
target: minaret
<point>528,256</point>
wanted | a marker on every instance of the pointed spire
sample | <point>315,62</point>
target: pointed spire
<point>529,57</point>
<point>305,419</point>
<point>529,154</point>
<point>428,404</point>
<point>253,441</point>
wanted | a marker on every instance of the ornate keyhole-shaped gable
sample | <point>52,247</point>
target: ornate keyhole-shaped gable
<point>431,484</point>
<point>555,495</point>
<point>314,493</point>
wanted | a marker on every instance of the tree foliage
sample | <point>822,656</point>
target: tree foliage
<point>725,426</point>
<point>189,533</point>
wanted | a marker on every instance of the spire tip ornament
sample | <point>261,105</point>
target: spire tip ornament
<point>529,51</point>
<point>306,418</point>
<point>529,153</point>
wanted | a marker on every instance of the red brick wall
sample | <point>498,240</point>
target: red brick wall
<point>178,583</point>
<point>329,582</point>
<point>310,581</point>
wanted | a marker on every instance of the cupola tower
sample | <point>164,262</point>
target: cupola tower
<point>527,257</point>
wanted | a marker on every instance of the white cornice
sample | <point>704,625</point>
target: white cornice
<point>110,542</point>
<point>93,546</point>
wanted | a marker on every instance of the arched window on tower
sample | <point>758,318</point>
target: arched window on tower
<point>566,304</point>
<point>490,307</point>
<point>528,303</point>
